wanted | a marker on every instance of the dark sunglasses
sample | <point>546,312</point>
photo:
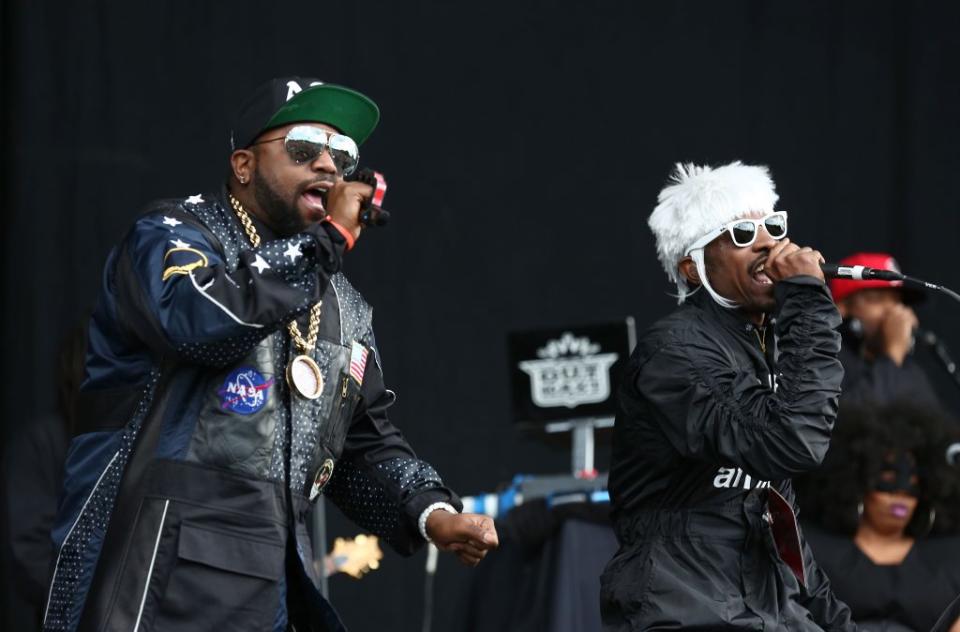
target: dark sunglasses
<point>305,144</point>
<point>744,231</point>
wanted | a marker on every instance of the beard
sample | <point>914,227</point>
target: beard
<point>280,214</point>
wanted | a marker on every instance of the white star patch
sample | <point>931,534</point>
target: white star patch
<point>179,243</point>
<point>259,264</point>
<point>171,221</point>
<point>195,199</point>
<point>293,251</point>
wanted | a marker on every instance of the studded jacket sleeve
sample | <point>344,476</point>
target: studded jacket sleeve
<point>711,407</point>
<point>379,482</point>
<point>177,296</point>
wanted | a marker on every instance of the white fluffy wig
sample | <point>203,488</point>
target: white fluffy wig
<point>698,200</point>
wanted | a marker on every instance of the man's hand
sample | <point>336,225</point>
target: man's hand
<point>787,259</point>
<point>470,536</point>
<point>896,332</point>
<point>343,204</point>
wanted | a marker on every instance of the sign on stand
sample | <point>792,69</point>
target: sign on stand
<point>566,379</point>
<point>568,373</point>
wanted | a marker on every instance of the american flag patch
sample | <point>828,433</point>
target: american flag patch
<point>358,361</point>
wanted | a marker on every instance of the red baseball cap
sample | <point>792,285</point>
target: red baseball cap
<point>842,288</point>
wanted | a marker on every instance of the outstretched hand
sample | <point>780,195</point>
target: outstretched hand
<point>470,536</point>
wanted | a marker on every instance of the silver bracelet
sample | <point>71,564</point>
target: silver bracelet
<point>422,522</point>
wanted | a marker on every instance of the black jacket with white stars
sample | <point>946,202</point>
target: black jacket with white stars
<point>196,460</point>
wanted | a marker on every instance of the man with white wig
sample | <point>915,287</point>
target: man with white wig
<point>723,401</point>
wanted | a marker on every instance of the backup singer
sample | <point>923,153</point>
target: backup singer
<point>724,400</point>
<point>879,326</point>
<point>887,502</point>
<point>231,378</point>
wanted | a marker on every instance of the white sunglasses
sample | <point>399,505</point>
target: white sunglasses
<point>744,231</point>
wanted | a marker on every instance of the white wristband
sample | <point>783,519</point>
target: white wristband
<point>422,522</point>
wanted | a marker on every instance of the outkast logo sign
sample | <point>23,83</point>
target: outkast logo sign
<point>570,371</point>
<point>565,373</point>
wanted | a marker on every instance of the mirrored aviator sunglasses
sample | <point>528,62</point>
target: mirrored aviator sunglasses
<point>305,143</point>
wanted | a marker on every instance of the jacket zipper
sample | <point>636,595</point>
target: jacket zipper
<point>344,391</point>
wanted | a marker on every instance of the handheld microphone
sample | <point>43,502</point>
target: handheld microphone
<point>370,212</point>
<point>858,273</point>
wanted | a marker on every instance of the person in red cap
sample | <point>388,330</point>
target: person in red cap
<point>878,336</point>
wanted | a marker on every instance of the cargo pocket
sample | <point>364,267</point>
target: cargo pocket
<point>220,581</point>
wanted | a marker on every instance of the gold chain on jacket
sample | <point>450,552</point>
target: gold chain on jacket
<point>762,333</point>
<point>313,329</point>
<point>761,338</point>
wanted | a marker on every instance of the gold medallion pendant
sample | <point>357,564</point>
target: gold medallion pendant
<point>303,375</point>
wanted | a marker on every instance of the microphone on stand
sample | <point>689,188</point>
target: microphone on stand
<point>858,273</point>
<point>863,273</point>
<point>924,336</point>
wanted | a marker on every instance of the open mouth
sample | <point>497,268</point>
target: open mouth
<point>315,197</point>
<point>760,277</point>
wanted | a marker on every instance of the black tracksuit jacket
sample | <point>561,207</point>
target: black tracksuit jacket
<point>714,414</point>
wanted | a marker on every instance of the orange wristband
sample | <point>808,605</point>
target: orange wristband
<point>351,240</point>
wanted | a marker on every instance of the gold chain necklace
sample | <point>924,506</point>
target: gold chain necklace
<point>762,339</point>
<point>761,332</point>
<point>303,373</point>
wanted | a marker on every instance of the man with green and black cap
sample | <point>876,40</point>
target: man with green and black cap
<point>231,379</point>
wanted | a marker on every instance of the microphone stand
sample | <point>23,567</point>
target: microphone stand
<point>930,339</point>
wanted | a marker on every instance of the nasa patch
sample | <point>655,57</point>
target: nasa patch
<point>244,391</point>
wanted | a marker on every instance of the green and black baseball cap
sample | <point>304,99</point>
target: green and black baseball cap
<point>288,100</point>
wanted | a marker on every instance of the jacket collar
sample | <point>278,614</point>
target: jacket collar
<point>734,318</point>
<point>265,232</point>
<point>735,321</point>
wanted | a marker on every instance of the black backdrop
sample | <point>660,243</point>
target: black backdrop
<point>524,144</point>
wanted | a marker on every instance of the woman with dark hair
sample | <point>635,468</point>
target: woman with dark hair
<point>884,514</point>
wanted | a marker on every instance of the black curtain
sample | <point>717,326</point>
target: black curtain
<point>524,144</point>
